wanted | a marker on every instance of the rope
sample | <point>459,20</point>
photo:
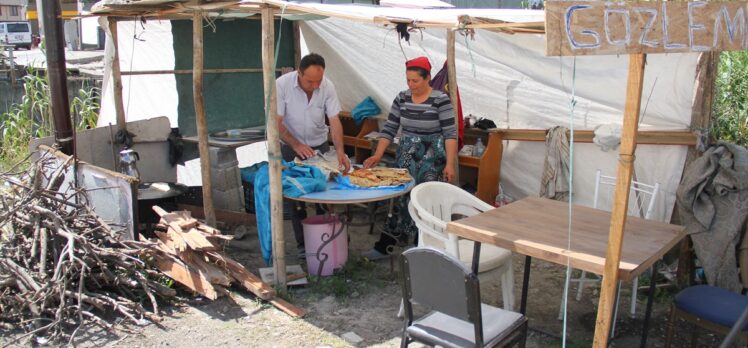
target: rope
<point>572,104</point>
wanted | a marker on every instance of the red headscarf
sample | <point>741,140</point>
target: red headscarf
<point>420,62</point>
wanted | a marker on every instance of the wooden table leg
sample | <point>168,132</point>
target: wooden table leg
<point>650,300</point>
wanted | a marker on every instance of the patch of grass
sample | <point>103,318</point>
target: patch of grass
<point>32,117</point>
<point>356,278</point>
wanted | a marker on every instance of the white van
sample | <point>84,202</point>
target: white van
<point>15,33</point>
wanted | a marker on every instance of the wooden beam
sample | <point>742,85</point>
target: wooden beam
<point>119,105</point>
<point>276,188</point>
<point>189,71</point>
<point>202,127</point>
<point>296,44</point>
<point>232,217</point>
<point>452,85</point>
<point>701,116</point>
<point>626,158</point>
<point>677,137</point>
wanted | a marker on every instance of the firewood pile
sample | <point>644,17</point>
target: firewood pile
<point>60,265</point>
<point>190,255</point>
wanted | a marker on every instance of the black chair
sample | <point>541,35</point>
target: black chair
<point>451,292</point>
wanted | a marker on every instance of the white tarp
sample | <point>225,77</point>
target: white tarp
<point>508,79</point>
<point>142,46</point>
<point>503,77</point>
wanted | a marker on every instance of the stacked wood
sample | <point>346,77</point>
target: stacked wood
<point>190,254</point>
<point>61,266</point>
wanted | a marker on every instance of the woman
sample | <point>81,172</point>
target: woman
<point>428,145</point>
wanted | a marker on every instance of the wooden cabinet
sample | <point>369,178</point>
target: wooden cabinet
<point>482,172</point>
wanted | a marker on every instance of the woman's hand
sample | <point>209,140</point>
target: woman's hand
<point>449,173</point>
<point>371,161</point>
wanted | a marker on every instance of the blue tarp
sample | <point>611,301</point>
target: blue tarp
<point>366,108</point>
<point>297,181</point>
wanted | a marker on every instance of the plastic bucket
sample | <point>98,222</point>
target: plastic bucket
<point>317,231</point>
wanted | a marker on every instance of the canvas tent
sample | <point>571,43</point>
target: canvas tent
<point>506,78</point>
<point>524,81</point>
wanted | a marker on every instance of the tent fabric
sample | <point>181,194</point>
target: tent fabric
<point>142,46</point>
<point>446,17</point>
<point>508,79</point>
<point>712,196</point>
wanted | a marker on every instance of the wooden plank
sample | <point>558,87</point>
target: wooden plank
<point>676,137</point>
<point>701,117</point>
<point>609,286</point>
<point>607,27</point>
<point>202,127</point>
<point>186,276</point>
<point>288,308</point>
<point>231,217</point>
<point>538,227</point>
<point>190,71</point>
<point>211,272</point>
<point>276,190</point>
<point>194,239</point>
<point>490,172</point>
<point>119,105</point>
<point>248,280</point>
<point>453,88</point>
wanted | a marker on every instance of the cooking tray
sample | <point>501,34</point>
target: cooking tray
<point>239,134</point>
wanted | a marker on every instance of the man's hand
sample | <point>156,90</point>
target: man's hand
<point>371,161</point>
<point>303,151</point>
<point>343,161</point>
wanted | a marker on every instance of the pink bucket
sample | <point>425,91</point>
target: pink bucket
<point>318,230</point>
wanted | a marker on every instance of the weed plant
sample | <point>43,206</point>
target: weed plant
<point>32,117</point>
<point>357,277</point>
<point>731,99</point>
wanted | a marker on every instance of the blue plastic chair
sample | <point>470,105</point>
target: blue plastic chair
<point>710,307</point>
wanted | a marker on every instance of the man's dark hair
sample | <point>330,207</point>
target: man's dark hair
<point>311,59</point>
<point>421,71</point>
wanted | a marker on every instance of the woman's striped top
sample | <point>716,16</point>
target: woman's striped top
<point>433,116</point>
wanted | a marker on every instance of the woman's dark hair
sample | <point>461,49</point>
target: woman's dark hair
<point>421,71</point>
<point>311,59</point>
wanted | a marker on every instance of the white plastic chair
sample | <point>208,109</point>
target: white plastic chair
<point>432,205</point>
<point>642,199</point>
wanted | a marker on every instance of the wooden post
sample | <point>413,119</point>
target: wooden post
<point>202,127</point>
<point>274,153</point>
<point>296,45</point>
<point>119,105</point>
<point>452,83</point>
<point>12,66</point>
<point>701,116</point>
<point>620,200</point>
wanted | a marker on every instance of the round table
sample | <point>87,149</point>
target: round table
<point>336,195</point>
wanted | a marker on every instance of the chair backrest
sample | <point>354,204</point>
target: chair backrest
<point>432,205</point>
<point>440,282</point>
<point>642,197</point>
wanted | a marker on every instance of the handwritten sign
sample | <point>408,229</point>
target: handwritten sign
<point>608,27</point>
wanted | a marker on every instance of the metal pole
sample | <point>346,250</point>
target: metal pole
<point>58,88</point>
<point>12,66</point>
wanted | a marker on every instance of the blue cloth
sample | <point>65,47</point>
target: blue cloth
<point>297,181</point>
<point>713,304</point>
<point>335,192</point>
<point>366,108</point>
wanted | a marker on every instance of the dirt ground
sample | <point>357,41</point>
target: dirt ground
<point>365,303</point>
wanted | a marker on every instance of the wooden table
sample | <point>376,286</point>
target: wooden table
<point>538,227</point>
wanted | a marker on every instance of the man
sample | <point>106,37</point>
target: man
<point>305,97</point>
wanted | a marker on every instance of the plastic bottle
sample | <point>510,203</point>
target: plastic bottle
<point>479,148</point>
